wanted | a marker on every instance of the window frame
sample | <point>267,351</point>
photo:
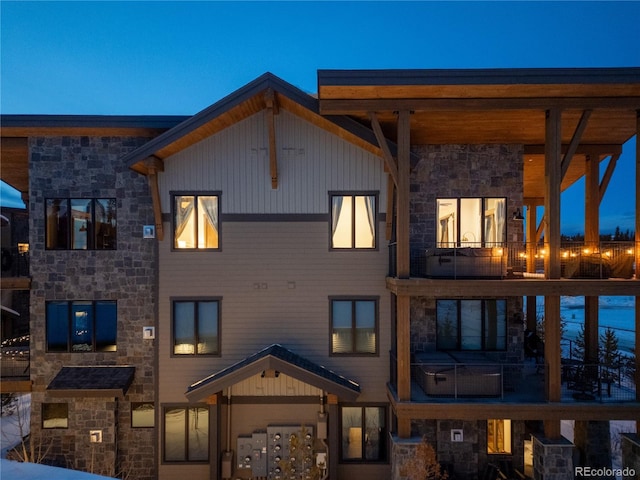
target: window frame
<point>458,243</point>
<point>90,226</point>
<point>185,408</point>
<point>383,448</point>
<point>354,299</point>
<point>69,304</point>
<point>195,194</point>
<point>42,419</point>
<point>353,194</point>
<point>483,320</point>
<point>195,300</point>
<point>133,406</point>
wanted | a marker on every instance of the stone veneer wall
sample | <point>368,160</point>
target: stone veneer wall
<point>446,171</point>
<point>593,439</point>
<point>631,456</point>
<point>90,167</point>
<point>552,459</point>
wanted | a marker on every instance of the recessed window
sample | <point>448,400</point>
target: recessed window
<point>55,415</point>
<point>186,434</point>
<point>196,222</point>
<point>471,324</point>
<point>81,326</point>
<point>354,326</point>
<point>142,414</point>
<point>364,434</point>
<point>81,224</point>
<point>196,327</point>
<point>471,222</point>
<point>499,436</point>
<point>353,221</point>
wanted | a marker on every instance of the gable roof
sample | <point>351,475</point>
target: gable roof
<point>275,357</point>
<point>241,104</point>
<point>92,381</point>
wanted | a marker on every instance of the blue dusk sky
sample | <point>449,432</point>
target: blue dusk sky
<point>166,58</point>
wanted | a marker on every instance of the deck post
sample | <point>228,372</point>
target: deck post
<point>591,242</point>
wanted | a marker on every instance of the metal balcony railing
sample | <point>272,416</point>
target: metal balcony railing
<point>518,260</point>
<point>15,261</point>
<point>15,358</point>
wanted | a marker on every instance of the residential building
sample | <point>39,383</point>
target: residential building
<point>343,274</point>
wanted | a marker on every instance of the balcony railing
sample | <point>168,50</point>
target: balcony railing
<point>519,260</point>
<point>15,261</point>
<point>15,358</point>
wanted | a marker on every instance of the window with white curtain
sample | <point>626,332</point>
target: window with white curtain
<point>471,222</point>
<point>196,221</point>
<point>353,221</point>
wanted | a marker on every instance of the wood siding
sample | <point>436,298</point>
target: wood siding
<point>311,162</point>
<point>275,280</point>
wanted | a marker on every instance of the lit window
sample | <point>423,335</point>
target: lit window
<point>142,414</point>
<point>81,326</point>
<point>196,327</point>
<point>499,436</point>
<point>471,324</point>
<point>55,415</point>
<point>354,326</point>
<point>186,434</point>
<point>353,221</point>
<point>471,222</point>
<point>363,434</point>
<point>196,223</point>
<point>81,224</point>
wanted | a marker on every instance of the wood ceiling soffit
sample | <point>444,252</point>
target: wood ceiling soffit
<point>14,152</point>
<point>391,162</point>
<point>606,178</point>
<point>575,141</point>
<point>272,111</point>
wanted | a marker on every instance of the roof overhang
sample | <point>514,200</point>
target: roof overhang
<point>241,104</point>
<point>94,381</point>
<point>278,358</point>
<point>16,130</point>
<point>494,106</point>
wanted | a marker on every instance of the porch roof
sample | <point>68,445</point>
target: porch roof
<point>275,357</point>
<point>94,381</point>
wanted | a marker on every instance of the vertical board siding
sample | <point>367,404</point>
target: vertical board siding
<point>311,162</point>
<point>271,255</point>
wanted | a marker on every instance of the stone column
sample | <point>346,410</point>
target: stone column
<point>630,456</point>
<point>593,439</point>
<point>552,458</point>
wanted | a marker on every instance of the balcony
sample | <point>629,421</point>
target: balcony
<point>15,267</point>
<point>604,260</point>
<point>15,365</point>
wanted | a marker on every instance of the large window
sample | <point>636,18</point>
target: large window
<point>499,436</point>
<point>364,434</point>
<point>354,326</point>
<point>81,224</point>
<point>471,324</point>
<point>353,221</point>
<point>196,222</point>
<point>471,222</point>
<point>196,327</point>
<point>186,434</point>
<point>55,415</point>
<point>82,326</point>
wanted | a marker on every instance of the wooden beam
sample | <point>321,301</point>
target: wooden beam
<point>15,283</point>
<point>552,355</point>
<point>582,149</point>
<point>389,161</point>
<point>637,252</point>
<point>552,192</point>
<point>606,178</point>
<point>390,208</point>
<point>358,106</point>
<point>552,429</point>
<point>154,165</point>
<point>532,238</point>
<point>403,346</point>
<point>403,198</point>
<point>540,229</point>
<point>592,239</point>
<point>575,141</point>
<point>272,111</point>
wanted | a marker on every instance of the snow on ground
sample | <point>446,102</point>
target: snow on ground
<point>14,425</point>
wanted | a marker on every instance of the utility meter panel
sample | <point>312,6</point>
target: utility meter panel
<point>281,446</point>
<point>252,453</point>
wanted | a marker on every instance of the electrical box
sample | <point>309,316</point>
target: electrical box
<point>149,333</point>
<point>252,453</point>
<point>322,426</point>
<point>95,436</point>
